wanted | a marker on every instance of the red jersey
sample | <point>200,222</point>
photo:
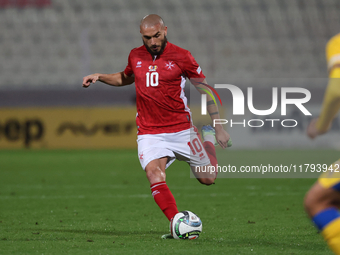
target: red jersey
<point>160,81</point>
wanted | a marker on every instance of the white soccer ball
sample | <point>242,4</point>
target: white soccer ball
<point>185,225</point>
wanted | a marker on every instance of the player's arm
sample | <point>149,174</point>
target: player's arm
<point>222,137</point>
<point>331,102</point>
<point>115,79</point>
<point>330,106</point>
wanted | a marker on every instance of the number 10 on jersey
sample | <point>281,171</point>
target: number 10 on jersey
<point>152,79</point>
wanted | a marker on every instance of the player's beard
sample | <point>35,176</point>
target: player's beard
<point>152,52</point>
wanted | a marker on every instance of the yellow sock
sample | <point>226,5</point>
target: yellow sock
<point>331,234</point>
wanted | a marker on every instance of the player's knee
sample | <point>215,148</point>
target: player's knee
<point>155,174</point>
<point>206,181</point>
<point>318,199</point>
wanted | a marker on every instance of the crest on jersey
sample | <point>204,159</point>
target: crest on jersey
<point>153,68</point>
<point>169,65</point>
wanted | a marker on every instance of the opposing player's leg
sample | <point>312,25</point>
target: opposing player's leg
<point>319,198</point>
<point>321,203</point>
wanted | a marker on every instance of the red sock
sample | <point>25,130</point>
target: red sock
<point>164,199</point>
<point>210,149</point>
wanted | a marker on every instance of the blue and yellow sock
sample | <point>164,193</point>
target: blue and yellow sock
<point>328,222</point>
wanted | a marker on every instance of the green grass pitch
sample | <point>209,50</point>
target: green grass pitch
<point>99,202</point>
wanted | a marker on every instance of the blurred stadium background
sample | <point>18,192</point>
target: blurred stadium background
<point>47,46</point>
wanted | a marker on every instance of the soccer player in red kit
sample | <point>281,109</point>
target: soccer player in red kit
<point>165,129</point>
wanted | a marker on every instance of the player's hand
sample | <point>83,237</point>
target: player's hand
<point>222,137</point>
<point>312,131</point>
<point>87,80</point>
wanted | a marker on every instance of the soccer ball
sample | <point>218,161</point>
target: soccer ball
<point>185,225</point>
